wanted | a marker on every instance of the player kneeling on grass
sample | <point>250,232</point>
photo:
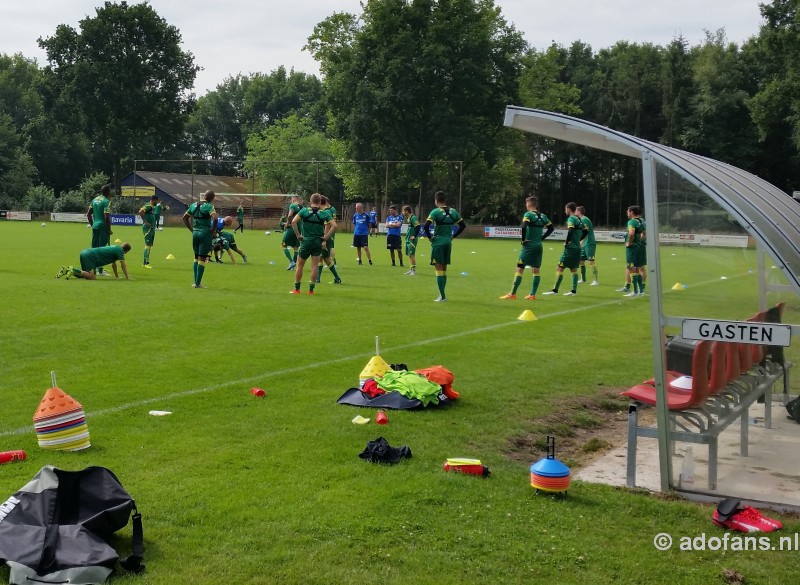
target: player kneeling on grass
<point>318,227</point>
<point>226,241</point>
<point>92,258</point>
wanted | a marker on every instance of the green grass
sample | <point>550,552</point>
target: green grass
<point>235,489</point>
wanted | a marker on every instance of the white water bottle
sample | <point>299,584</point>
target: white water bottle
<point>687,468</point>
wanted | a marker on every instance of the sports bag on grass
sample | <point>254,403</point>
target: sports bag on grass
<point>56,529</point>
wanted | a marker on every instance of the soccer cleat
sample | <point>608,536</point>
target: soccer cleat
<point>200,286</point>
<point>508,297</point>
<point>439,300</point>
<point>551,292</point>
<point>291,266</point>
<point>244,258</point>
<point>571,293</point>
<point>393,264</point>
<point>408,272</point>
<point>581,281</point>
<point>594,283</point>
<point>311,292</point>
<point>747,520</point>
<point>623,289</point>
<point>631,294</point>
<point>530,298</point>
<point>370,262</point>
<point>337,281</point>
<point>294,291</point>
<point>105,273</point>
<point>219,261</point>
<point>148,266</point>
<point>412,273</point>
<point>359,262</point>
<point>63,271</point>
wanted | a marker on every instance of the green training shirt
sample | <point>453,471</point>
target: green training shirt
<point>574,232</point>
<point>444,218</point>
<point>314,222</point>
<point>534,222</point>
<point>413,227</point>
<point>100,206</point>
<point>637,225</point>
<point>201,211</point>
<point>590,241</point>
<point>106,255</point>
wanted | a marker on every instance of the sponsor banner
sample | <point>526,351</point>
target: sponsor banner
<point>724,241</point>
<point>73,217</point>
<point>139,221</point>
<point>19,215</point>
<point>122,219</point>
<point>137,191</point>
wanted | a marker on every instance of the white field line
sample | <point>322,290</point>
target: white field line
<point>274,373</point>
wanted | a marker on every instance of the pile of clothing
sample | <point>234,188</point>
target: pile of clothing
<point>400,389</point>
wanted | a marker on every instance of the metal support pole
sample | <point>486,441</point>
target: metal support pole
<point>657,319</point>
<point>460,185</point>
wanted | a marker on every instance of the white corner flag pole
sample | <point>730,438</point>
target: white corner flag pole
<point>53,378</point>
<point>377,351</point>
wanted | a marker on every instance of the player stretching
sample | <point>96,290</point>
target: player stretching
<point>530,254</point>
<point>571,257</point>
<point>443,219</point>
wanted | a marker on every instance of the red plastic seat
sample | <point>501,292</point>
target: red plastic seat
<point>681,399</point>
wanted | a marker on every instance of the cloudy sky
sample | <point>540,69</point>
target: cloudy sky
<point>228,37</point>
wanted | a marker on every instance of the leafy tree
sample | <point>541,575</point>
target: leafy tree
<point>39,198</point>
<point>419,80</point>
<point>291,139</point>
<point>16,167</point>
<point>77,200</point>
<point>125,72</point>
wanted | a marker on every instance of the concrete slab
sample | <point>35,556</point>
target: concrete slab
<point>770,473</point>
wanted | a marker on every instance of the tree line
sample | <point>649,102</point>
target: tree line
<point>414,82</point>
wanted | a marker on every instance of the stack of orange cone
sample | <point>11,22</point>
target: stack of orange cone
<point>60,422</point>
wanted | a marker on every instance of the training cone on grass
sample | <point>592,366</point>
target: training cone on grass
<point>170,257</point>
<point>549,474</point>
<point>60,422</point>
<point>527,315</point>
<point>677,286</point>
<point>117,241</point>
<point>376,366</point>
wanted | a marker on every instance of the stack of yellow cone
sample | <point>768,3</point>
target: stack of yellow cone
<point>677,286</point>
<point>170,257</point>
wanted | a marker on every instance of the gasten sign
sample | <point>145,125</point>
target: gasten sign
<point>737,331</point>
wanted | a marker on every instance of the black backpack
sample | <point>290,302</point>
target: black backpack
<point>56,528</point>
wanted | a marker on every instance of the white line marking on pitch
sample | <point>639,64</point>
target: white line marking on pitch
<point>249,379</point>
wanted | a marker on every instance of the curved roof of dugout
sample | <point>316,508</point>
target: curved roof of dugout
<point>768,214</point>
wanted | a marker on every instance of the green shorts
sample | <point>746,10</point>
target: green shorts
<point>310,247</point>
<point>411,247</point>
<point>588,252</point>
<point>87,262</point>
<point>100,237</point>
<point>289,238</point>
<point>530,255</point>
<point>635,256</point>
<point>440,253</point>
<point>201,243</point>
<point>570,258</point>
<point>149,235</point>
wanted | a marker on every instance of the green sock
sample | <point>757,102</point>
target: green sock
<point>641,284</point>
<point>636,280</point>
<point>558,282</point>
<point>536,280</point>
<point>594,272</point>
<point>440,282</point>
<point>194,269</point>
<point>319,272</point>
<point>288,254</point>
<point>583,272</point>
<point>201,268</point>
<point>517,282</point>
<point>311,286</point>
<point>627,286</point>
<point>294,258</point>
<point>77,272</point>
<point>296,286</point>
<point>575,282</point>
<point>332,268</point>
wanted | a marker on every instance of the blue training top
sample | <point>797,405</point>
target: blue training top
<point>361,223</point>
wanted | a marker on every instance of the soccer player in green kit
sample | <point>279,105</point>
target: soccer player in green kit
<point>530,254</point>
<point>443,218</point>
<point>227,242</point>
<point>99,217</point>
<point>94,258</point>
<point>635,250</point>
<point>318,227</point>
<point>240,219</point>
<point>149,225</point>
<point>571,257</point>
<point>289,239</point>
<point>199,219</point>
<point>328,256</point>
<point>589,247</point>
<point>412,237</point>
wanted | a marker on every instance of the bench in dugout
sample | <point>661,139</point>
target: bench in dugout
<point>727,380</point>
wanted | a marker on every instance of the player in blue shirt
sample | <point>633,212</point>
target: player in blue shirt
<point>393,242</point>
<point>373,222</point>
<point>361,232</point>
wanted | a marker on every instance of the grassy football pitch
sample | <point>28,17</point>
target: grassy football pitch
<point>237,489</point>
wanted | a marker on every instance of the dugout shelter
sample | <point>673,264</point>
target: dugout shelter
<point>769,217</point>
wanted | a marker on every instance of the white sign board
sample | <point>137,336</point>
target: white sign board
<point>737,332</point>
